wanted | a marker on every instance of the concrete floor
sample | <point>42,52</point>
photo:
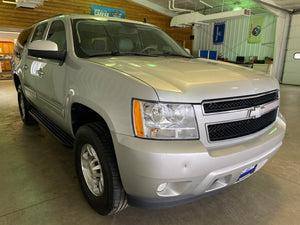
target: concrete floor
<point>38,184</point>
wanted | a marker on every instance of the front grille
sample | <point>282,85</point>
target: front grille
<point>234,104</point>
<point>223,131</point>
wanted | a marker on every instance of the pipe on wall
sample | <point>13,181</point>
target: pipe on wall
<point>281,37</point>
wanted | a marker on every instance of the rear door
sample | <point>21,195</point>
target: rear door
<point>291,74</point>
<point>50,82</point>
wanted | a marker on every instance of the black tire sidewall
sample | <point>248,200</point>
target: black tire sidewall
<point>28,119</point>
<point>25,112</point>
<point>102,204</point>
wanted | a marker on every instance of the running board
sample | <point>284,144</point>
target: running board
<point>57,132</point>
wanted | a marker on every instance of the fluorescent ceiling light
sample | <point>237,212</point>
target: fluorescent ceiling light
<point>9,32</point>
<point>237,8</point>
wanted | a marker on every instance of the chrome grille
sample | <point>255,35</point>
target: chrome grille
<point>220,105</point>
<point>224,131</point>
<point>253,113</point>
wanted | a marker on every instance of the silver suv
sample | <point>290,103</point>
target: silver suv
<point>151,125</point>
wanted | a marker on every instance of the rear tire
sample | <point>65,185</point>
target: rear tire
<point>24,107</point>
<point>97,169</point>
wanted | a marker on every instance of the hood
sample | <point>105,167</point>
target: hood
<point>178,79</point>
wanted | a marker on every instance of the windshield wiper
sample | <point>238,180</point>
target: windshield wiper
<point>113,53</point>
<point>137,53</point>
<point>175,54</point>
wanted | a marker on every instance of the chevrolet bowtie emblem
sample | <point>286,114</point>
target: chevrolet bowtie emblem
<point>256,111</point>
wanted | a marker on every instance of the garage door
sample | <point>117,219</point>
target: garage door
<point>291,74</point>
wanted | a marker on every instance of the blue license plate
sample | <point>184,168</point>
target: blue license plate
<point>245,173</point>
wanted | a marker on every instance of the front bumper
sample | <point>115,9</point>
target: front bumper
<point>189,169</point>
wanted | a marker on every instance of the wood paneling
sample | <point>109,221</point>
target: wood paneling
<point>10,16</point>
<point>6,49</point>
<point>182,36</point>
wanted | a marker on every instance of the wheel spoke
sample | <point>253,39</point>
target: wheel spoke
<point>84,162</point>
<point>90,149</point>
<point>92,170</point>
<point>102,181</point>
<point>93,185</point>
<point>97,167</point>
<point>85,156</point>
<point>93,162</point>
<point>101,187</point>
<point>96,189</point>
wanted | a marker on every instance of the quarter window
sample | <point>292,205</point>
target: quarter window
<point>39,32</point>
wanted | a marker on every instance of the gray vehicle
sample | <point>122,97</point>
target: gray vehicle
<point>151,125</point>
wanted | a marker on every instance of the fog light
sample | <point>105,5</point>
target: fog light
<point>162,187</point>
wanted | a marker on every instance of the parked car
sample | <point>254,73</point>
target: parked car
<point>151,126</point>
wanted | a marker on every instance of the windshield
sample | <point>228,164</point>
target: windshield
<point>98,37</point>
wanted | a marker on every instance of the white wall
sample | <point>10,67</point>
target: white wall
<point>235,39</point>
<point>10,33</point>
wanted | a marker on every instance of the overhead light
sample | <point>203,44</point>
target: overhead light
<point>31,4</point>
<point>237,8</point>
<point>9,2</point>
<point>9,32</point>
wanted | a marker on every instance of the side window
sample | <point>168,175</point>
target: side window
<point>57,34</point>
<point>39,31</point>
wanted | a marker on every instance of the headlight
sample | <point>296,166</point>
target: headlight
<point>164,120</point>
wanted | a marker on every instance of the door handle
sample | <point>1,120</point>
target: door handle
<point>25,67</point>
<point>40,72</point>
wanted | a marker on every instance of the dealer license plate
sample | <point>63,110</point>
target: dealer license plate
<point>247,172</point>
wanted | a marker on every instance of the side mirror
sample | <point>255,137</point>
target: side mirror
<point>187,50</point>
<point>45,49</point>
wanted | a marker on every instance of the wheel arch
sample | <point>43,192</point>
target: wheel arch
<point>82,114</point>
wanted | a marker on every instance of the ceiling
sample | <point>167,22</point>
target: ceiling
<point>206,7</point>
<point>218,5</point>
<point>288,4</point>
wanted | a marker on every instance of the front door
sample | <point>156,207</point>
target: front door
<point>50,81</point>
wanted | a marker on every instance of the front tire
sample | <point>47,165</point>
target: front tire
<point>24,107</point>
<point>97,169</point>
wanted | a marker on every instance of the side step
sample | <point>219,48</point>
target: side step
<point>61,135</point>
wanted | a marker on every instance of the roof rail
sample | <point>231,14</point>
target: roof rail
<point>50,17</point>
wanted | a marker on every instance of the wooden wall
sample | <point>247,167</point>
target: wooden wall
<point>6,49</point>
<point>13,17</point>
